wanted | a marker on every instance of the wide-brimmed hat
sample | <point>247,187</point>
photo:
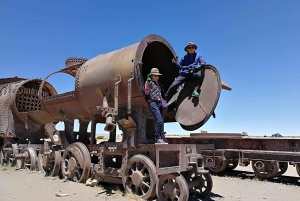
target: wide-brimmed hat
<point>154,71</point>
<point>190,44</point>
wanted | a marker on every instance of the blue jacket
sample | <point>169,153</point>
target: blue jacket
<point>189,61</point>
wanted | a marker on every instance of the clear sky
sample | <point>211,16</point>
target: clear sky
<point>254,44</point>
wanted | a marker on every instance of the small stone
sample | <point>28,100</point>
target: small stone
<point>94,182</point>
<point>60,190</point>
<point>88,182</point>
<point>14,197</point>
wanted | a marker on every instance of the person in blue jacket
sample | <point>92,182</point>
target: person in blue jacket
<point>189,66</point>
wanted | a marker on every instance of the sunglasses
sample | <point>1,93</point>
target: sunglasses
<point>190,47</point>
<point>155,75</point>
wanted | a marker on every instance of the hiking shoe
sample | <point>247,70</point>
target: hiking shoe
<point>195,94</point>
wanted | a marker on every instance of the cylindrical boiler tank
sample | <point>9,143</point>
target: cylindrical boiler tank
<point>100,73</point>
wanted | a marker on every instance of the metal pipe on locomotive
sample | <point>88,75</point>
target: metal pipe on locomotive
<point>109,89</point>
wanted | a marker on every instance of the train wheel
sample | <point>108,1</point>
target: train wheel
<point>172,187</point>
<point>265,169</point>
<point>9,151</point>
<point>76,162</point>
<point>205,184</point>
<point>232,164</point>
<point>283,166</point>
<point>49,161</point>
<point>298,168</point>
<point>220,165</point>
<point>30,160</point>
<point>139,176</point>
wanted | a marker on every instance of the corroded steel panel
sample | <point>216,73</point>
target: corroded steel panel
<point>100,73</point>
<point>192,112</point>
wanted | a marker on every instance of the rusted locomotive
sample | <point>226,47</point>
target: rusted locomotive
<point>109,89</point>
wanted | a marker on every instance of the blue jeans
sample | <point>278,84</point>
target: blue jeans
<point>195,77</point>
<point>158,115</point>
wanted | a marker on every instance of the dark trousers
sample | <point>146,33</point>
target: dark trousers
<point>157,113</point>
<point>195,77</point>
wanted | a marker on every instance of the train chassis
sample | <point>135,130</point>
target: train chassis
<point>170,172</point>
<point>268,156</point>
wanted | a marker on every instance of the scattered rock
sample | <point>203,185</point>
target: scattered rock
<point>94,182</point>
<point>88,182</point>
<point>61,194</point>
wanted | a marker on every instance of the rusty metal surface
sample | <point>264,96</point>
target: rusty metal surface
<point>215,135</point>
<point>100,73</point>
<point>76,162</point>
<point>172,187</point>
<point>184,157</point>
<point>5,81</point>
<point>202,184</point>
<point>192,112</point>
<point>109,86</point>
<point>139,176</point>
<point>23,115</point>
<point>225,86</point>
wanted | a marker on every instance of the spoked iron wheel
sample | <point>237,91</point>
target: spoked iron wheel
<point>139,176</point>
<point>202,184</point>
<point>76,162</point>
<point>298,168</point>
<point>265,169</point>
<point>232,164</point>
<point>49,161</point>
<point>9,151</point>
<point>172,187</point>
<point>283,166</point>
<point>29,161</point>
<point>220,165</point>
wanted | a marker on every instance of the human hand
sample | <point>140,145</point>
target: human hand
<point>148,78</point>
<point>174,61</point>
<point>202,64</point>
<point>191,70</point>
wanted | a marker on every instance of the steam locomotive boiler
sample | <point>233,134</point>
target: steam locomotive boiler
<point>109,89</point>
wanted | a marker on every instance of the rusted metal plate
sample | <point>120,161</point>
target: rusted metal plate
<point>215,135</point>
<point>225,86</point>
<point>193,112</point>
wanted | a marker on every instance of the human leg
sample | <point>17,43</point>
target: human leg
<point>196,78</point>
<point>159,124</point>
<point>162,131</point>
<point>172,89</point>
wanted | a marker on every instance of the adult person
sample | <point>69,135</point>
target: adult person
<point>156,104</point>
<point>189,66</point>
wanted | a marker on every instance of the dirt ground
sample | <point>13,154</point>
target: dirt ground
<point>33,186</point>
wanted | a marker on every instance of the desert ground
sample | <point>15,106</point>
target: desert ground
<point>33,186</point>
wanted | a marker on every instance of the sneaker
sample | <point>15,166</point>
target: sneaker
<point>160,141</point>
<point>195,94</point>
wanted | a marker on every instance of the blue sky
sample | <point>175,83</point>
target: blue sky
<point>254,44</point>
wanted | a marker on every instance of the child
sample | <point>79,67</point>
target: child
<point>156,104</point>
